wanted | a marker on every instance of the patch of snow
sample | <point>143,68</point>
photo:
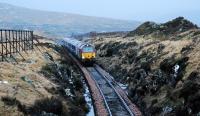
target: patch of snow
<point>70,81</point>
<point>3,82</point>
<point>68,93</point>
<point>166,110</point>
<point>124,87</point>
<point>89,101</point>
<point>176,68</point>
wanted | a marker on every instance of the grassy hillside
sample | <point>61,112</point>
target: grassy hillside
<point>58,24</point>
<point>40,83</point>
<point>163,74</point>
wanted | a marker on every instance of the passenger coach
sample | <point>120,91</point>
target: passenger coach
<point>83,51</point>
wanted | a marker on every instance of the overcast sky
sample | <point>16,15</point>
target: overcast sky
<point>141,10</point>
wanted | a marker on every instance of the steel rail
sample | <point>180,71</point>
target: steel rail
<point>108,108</point>
<point>122,100</point>
<point>118,95</point>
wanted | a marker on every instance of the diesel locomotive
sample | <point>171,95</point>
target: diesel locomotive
<point>82,50</point>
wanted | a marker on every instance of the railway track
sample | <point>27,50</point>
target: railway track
<point>108,97</point>
<point>114,103</point>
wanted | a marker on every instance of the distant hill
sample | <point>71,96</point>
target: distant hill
<point>58,24</point>
<point>175,26</point>
<point>100,35</point>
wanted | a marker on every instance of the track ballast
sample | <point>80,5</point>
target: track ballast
<point>114,103</point>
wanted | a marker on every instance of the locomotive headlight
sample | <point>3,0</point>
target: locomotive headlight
<point>83,57</point>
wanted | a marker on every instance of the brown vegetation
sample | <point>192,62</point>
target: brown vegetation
<point>36,84</point>
<point>147,64</point>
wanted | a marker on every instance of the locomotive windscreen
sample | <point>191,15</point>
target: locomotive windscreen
<point>88,49</point>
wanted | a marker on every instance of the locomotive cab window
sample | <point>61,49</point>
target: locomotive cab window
<point>88,49</point>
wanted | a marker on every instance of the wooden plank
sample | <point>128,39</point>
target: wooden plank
<point>16,41</point>
<point>1,44</point>
<point>19,40</point>
<point>13,38</point>
<point>6,43</point>
<point>32,38</point>
<point>25,41</point>
<point>9,40</point>
<point>23,36</point>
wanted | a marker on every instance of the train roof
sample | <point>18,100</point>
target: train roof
<point>76,42</point>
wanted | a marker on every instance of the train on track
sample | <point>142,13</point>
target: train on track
<point>85,52</point>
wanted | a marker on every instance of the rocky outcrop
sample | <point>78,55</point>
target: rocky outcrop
<point>175,26</point>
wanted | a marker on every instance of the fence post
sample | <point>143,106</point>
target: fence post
<point>16,41</point>
<point>6,43</point>
<point>32,39</point>
<point>23,33</point>
<point>20,40</point>
<point>29,40</point>
<point>9,42</point>
<point>26,40</point>
<point>13,44</point>
<point>1,45</point>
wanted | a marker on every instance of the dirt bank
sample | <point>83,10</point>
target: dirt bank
<point>41,82</point>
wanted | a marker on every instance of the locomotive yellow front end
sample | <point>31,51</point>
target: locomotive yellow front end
<point>88,54</point>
